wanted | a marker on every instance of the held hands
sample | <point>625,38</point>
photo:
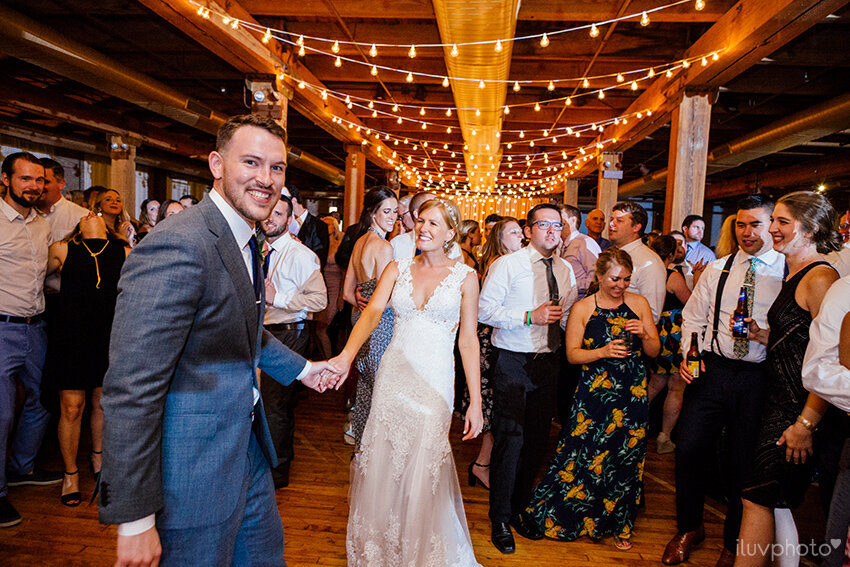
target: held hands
<point>140,550</point>
<point>685,373</point>
<point>798,443</point>
<point>322,375</point>
<point>339,367</point>
<point>547,314</point>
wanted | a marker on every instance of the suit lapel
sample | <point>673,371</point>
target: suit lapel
<point>234,263</point>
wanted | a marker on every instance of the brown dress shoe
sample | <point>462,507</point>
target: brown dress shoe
<point>726,559</point>
<point>680,547</point>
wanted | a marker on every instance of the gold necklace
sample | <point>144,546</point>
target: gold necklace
<point>95,255</point>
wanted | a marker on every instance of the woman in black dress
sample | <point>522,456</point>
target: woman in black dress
<point>90,262</point>
<point>802,229</point>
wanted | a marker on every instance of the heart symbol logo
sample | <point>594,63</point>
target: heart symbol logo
<point>835,543</point>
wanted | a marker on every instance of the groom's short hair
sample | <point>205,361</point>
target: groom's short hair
<point>234,123</point>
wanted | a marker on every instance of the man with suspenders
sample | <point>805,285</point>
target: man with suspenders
<point>730,390</point>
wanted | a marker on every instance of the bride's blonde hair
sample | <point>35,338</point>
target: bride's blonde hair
<point>450,214</point>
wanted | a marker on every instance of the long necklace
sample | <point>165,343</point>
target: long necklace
<point>383,236</point>
<point>95,255</point>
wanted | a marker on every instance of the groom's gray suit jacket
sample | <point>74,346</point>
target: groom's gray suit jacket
<point>178,398</point>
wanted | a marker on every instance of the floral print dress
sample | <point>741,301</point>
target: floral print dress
<point>594,483</point>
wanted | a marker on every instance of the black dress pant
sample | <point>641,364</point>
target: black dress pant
<point>524,399</point>
<point>279,401</point>
<point>729,394</point>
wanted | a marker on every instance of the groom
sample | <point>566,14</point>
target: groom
<point>186,444</point>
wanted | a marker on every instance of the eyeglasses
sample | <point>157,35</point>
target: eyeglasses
<point>545,225</point>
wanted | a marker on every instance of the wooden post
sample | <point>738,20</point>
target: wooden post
<point>687,160</point>
<point>355,182</point>
<point>610,173</point>
<point>571,192</point>
<point>122,170</point>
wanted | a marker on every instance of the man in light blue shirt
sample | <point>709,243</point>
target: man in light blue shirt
<point>696,252</point>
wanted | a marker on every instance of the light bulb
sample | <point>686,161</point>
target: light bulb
<point>714,56</point>
<point>545,133</point>
<point>412,52</point>
<point>448,112</point>
<point>669,73</point>
<point>409,78</point>
<point>335,47</point>
<point>454,51</point>
<point>445,82</point>
<point>347,99</point>
<point>544,41</point>
<point>302,85</point>
<point>301,51</point>
<point>620,78</point>
<point>374,51</point>
<point>634,85</point>
<point>651,73</point>
<point>704,61</point>
<point>267,36</point>
<point>338,62</point>
<point>395,108</point>
<point>374,71</point>
<point>300,40</point>
<point>601,94</point>
<point>516,86</point>
<point>644,19</point>
<point>699,5</point>
<point>594,31</point>
<point>521,134</point>
<point>551,86</point>
<point>686,64</point>
<point>374,114</point>
<point>537,107</point>
<point>422,111</point>
<point>481,84</point>
<point>399,120</point>
<point>569,101</point>
<point>371,104</point>
<point>477,112</point>
<point>507,110</point>
<point>498,47</point>
<point>585,83</point>
<point>324,94</point>
<point>424,126</point>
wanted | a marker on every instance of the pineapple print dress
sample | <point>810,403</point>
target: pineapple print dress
<point>594,483</point>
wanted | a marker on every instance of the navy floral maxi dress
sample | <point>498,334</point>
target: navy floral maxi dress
<point>594,483</point>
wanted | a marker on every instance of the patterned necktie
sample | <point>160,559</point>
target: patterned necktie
<point>554,336</point>
<point>742,346</point>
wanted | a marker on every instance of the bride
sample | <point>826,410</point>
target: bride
<point>405,502</point>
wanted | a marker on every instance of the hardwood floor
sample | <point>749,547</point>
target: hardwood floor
<point>314,510</point>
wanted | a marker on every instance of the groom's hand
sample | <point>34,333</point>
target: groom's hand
<point>316,377</point>
<point>140,550</point>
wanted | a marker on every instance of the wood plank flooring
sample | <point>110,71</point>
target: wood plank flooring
<point>314,509</point>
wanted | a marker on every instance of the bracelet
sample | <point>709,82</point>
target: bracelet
<point>806,423</point>
<point>528,318</point>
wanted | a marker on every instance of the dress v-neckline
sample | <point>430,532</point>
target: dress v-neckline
<point>433,292</point>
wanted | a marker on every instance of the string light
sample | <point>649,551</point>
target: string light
<point>601,94</point>
<point>544,41</point>
<point>551,86</point>
<point>498,47</point>
<point>412,52</point>
<point>699,5</point>
<point>594,31</point>
<point>374,51</point>
<point>585,83</point>
<point>507,109</point>
<point>335,47</point>
<point>537,107</point>
<point>409,78</point>
<point>481,85</point>
<point>644,19</point>
<point>516,86</point>
<point>651,73</point>
<point>445,82</point>
<point>338,62</point>
<point>374,71</point>
<point>634,85</point>
<point>454,51</point>
<point>620,78</point>
<point>267,36</point>
<point>301,51</point>
<point>686,64</point>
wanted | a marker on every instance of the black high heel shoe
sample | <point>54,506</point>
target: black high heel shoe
<point>72,498</point>
<point>96,477</point>
<point>473,480</point>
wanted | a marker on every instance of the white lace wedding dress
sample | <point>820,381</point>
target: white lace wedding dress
<point>406,508</point>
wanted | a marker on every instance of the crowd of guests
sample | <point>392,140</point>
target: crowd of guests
<point>572,325</point>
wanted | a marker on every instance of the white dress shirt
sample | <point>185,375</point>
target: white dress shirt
<point>515,284</point>
<point>698,314</point>
<point>296,275</point>
<point>822,373</point>
<point>581,251</point>
<point>63,217</point>
<point>840,260</point>
<point>296,222</point>
<point>23,261</point>
<point>404,246</point>
<point>649,277</point>
<point>697,251</point>
<point>242,232</point>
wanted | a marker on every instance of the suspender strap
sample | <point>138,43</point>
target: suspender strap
<point>721,283</point>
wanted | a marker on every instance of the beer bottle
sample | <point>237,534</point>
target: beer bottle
<point>740,328</point>
<point>694,359</point>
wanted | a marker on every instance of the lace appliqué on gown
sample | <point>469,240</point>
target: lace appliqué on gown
<point>406,505</point>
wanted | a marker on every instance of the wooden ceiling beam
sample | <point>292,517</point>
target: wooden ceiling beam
<point>537,10</point>
<point>245,51</point>
<point>748,32</point>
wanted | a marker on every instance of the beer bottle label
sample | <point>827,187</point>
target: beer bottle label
<point>740,329</point>
<point>693,368</point>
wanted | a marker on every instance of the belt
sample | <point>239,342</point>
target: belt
<point>539,355</point>
<point>297,326</point>
<point>32,320</point>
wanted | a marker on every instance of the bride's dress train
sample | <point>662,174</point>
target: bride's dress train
<point>406,508</point>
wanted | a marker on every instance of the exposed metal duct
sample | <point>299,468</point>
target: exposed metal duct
<point>465,21</point>
<point>30,41</point>
<point>798,129</point>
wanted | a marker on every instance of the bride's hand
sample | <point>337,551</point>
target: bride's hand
<point>473,424</point>
<point>342,363</point>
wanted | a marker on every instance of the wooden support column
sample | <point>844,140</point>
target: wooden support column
<point>610,173</point>
<point>687,160</point>
<point>571,192</point>
<point>122,170</point>
<point>355,182</point>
